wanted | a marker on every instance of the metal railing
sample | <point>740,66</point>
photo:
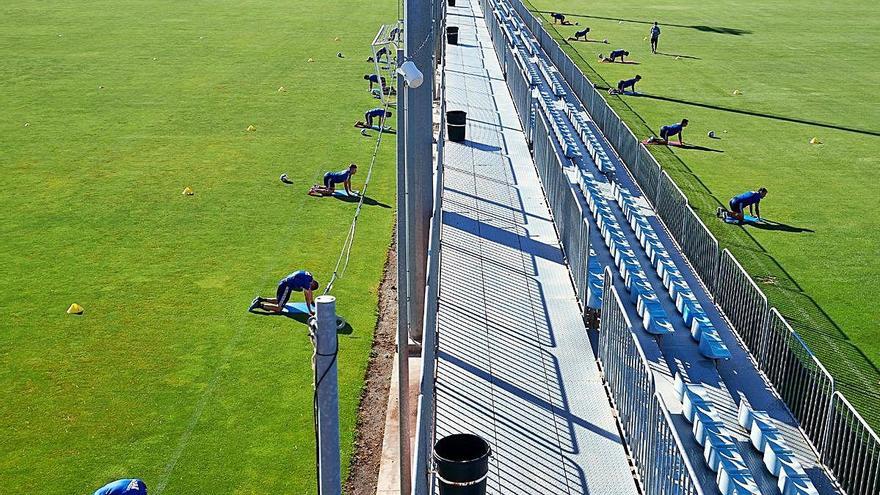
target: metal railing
<point>570,220</point>
<point>652,439</point>
<point>798,377</point>
<point>423,479</point>
<point>854,453</point>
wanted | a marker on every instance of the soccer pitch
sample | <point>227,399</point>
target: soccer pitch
<point>110,109</point>
<point>801,70</point>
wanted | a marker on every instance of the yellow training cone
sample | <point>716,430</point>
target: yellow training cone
<point>75,309</point>
<point>311,60</point>
<point>737,92</point>
<point>187,191</point>
<point>677,58</point>
<point>815,141</point>
<point>282,89</point>
<point>251,128</point>
<point>645,39</point>
<point>336,39</point>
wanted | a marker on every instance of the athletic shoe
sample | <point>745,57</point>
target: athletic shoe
<point>719,212</point>
<point>255,303</point>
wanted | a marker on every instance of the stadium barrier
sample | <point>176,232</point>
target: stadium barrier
<point>570,220</point>
<point>656,449</point>
<point>851,449</point>
<point>828,420</point>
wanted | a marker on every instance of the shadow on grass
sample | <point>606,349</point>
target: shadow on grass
<point>367,200</point>
<point>763,115</point>
<point>696,148</point>
<point>304,319</point>
<point>778,226</point>
<point>698,27</point>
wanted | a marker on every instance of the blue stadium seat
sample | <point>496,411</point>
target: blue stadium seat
<point>698,325</point>
<point>711,345</point>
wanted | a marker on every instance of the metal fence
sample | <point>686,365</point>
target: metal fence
<point>802,382</point>
<point>656,449</point>
<point>569,218</point>
<point>852,450</point>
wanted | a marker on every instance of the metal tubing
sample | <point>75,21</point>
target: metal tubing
<point>327,389</point>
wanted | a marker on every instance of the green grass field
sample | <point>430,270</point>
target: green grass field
<point>805,69</point>
<point>166,376</point>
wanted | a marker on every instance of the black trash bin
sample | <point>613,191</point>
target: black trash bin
<point>452,35</point>
<point>462,462</point>
<point>451,3</point>
<point>456,120</point>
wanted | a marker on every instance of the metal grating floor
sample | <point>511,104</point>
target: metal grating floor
<point>514,360</point>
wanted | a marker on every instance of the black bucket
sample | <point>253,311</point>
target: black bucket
<point>451,3</point>
<point>456,120</point>
<point>462,464</point>
<point>452,35</point>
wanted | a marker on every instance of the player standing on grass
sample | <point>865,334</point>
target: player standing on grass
<point>123,487</point>
<point>299,281</point>
<point>752,199</point>
<point>655,36</point>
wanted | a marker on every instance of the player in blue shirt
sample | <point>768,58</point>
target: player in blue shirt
<point>581,34</point>
<point>624,84</point>
<point>123,487</point>
<point>621,54</point>
<point>332,178</point>
<point>375,79</point>
<point>738,203</point>
<point>667,131</point>
<point>655,36</point>
<point>376,113</point>
<point>299,281</point>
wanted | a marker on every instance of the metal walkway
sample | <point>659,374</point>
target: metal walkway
<point>514,361</point>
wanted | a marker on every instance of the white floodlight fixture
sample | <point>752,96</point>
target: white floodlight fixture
<point>411,74</point>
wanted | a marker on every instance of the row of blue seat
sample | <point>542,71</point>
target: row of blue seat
<point>654,318</point>
<point>595,145</point>
<point>719,447</point>
<point>779,459</point>
<point>692,313</point>
<point>567,141</point>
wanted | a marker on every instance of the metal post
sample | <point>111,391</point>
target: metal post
<point>404,249</point>
<point>327,389</point>
<point>418,117</point>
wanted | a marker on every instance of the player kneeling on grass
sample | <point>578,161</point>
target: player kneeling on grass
<point>752,199</point>
<point>668,131</point>
<point>376,113</point>
<point>299,281</point>
<point>613,56</point>
<point>622,86</point>
<point>123,487</point>
<point>581,34</point>
<point>332,178</point>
